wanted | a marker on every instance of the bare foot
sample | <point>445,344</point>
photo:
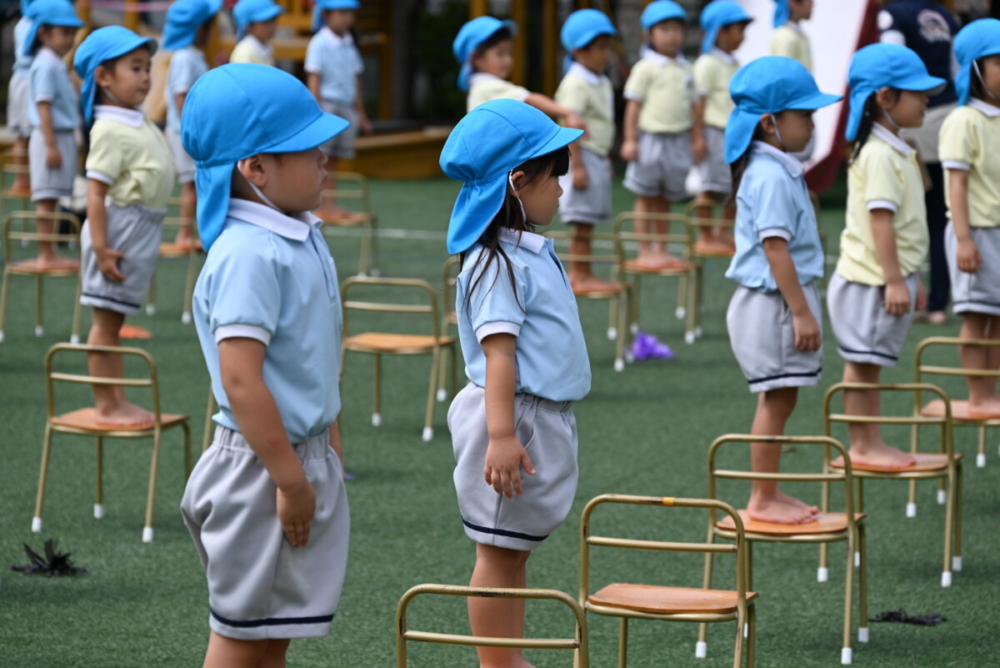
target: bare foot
<point>51,262</point>
<point>880,456</point>
<point>937,318</point>
<point>781,509</point>
<point>21,184</point>
<point>985,410</point>
<point>329,211</point>
<point>124,415</point>
<point>591,283</point>
<point>183,237</point>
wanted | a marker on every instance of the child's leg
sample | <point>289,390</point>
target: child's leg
<point>21,181</point>
<point>767,502</point>
<point>230,653</point>
<point>109,400</point>
<point>647,249</point>
<point>580,274</point>
<point>189,204</point>
<point>498,617</point>
<point>47,255</point>
<point>867,446</point>
<point>275,654</point>
<point>982,391</point>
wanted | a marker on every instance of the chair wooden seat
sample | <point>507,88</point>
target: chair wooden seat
<point>172,250</point>
<point>85,418</point>
<point>658,600</point>
<point>615,289</point>
<point>959,412</point>
<point>394,343</point>
<point>346,220</point>
<point>713,250</point>
<point>925,462</point>
<point>676,269</point>
<point>824,523</point>
<point>30,267</point>
<point>17,193</point>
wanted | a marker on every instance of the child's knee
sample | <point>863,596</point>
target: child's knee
<point>501,558</point>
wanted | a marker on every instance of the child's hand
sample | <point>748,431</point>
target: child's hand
<point>807,333</point>
<point>698,148</point>
<point>53,158</point>
<point>579,177</point>
<point>575,120</point>
<point>630,150</point>
<point>897,298</point>
<point>504,459</point>
<point>107,262</point>
<point>296,508</point>
<point>968,256</point>
<point>365,124</point>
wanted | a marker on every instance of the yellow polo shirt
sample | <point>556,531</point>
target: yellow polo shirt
<point>592,96</point>
<point>665,87</point>
<point>712,72</point>
<point>969,143</point>
<point>484,87</point>
<point>791,42</point>
<point>252,50</point>
<point>885,175</point>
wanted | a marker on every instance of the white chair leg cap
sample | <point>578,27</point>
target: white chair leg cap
<point>689,337</point>
<point>150,309</point>
<point>375,272</point>
<point>612,333</point>
<point>956,563</point>
<point>74,339</point>
<point>822,574</point>
<point>942,497</point>
<point>147,534</point>
<point>619,364</point>
<point>863,634</point>
<point>629,357</point>
<point>680,312</point>
<point>946,579</point>
<point>428,433</point>
<point>186,318</point>
<point>39,330</point>
<point>746,630</point>
<point>98,511</point>
<point>846,656</point>
<point>1,337</point>
<point>697,332</point>
<point>700,650</point>
<point>911,510</point>
<point>634,328</point>
<point>981,461</point>
<point>36,525</point>
<point>376,419</point>
<point>442,395</point>
<point>857,560</point>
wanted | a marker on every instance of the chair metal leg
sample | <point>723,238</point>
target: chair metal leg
<point>845,652</point>
<point>683,290</point>
<point>981,452</point>
<point>956,559</point>
<point>3,300</point>
<point>147,530</point>
<point>690,335</point>
<point>39,306</point>
<point>366,233</point>
<point>863,584</point>
<point>151,296</point>
<point>949,526</point>
<point>634,325</point>
<point>442,392</point>
<point>36,521</point>
<point>701,648</point>
<point>192,274</point>
<point>622,642</point>
<point>428,432</point>
<point>752,637</point>
<point>374,269</point>
<point>620,330</point>
<point>377,413</point>
<point>750,565</point>
<point>99,479</point>
<point>741,625</point>
<point>74,336</point>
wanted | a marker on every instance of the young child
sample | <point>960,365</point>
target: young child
<point>333,74</point>
<point>968,149</point>
<point>189,23</point>
<point>130,177</point>
<point>872,295</point>
<point>54,116</point>
<point>586,199</point>
<point>256,23</point>
<point>266,504</point>
<point>18,95</point>
<point>657,127</point>
<point>724,23</point>
<point>513,429</point>
<point>775,317</point>
<point>789,39</point>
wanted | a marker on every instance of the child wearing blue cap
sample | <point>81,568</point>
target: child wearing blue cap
<point>130,177</point>
<point>586,199</point>
<point>513,430</point>
<point>54,115</point>
<point>18,95</point>
<point>775,316</point>
<point>968,151</point>
<point>256,23</point>
<point>657,126</point>
<point>789,39</point>
<point>266,504</point>
<point>877,286</point>
<point>189,24</point>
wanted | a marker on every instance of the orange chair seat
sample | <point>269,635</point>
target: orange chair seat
<point>713,250</point>
<point>635,267</point>
<point>824,523</point>
<point>17,193</point>
<point>659,600</point>
<point>85,419</point>
<point>615,289</point>
<point>925,462</point>
<point>959,411</point>
<point>394,343</point>
<point>30,267</point>
<point>346,220</point>
<point>171,250</point>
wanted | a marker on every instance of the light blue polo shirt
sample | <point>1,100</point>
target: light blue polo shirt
<point>773,201</point>
<point>22,61</point>
<point>270,277</point>
<point>337,62</point>
<point>541,311</point>
<point>186,66</point>
<point>50,83</point>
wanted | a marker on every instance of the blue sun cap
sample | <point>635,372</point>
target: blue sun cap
<point>183,20</point>
<point>581,28</point>
<point>240,110</point>
<point>719,14</point>
<point>472,34</point>
<point>976,40</point>
<point>878,66</point>
<point>25,5</point>
<point>659,11</point>
<point>102,45</point>
<point>482,150</point>
<point>254,11</point>
<point>49,13</point>
<point>330,5</point>
<point>781,12</point>
<point>766,86</point>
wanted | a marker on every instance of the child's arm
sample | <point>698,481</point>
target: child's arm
<point>53,158</point>
<point>807,332</point>
<point>179,101</point>
<point>97,220</point>
<point>630,128</point>
<point>505,455</point>
<point>312,83</point>
<point>576,165</point>
<point>359,108</point>
<point>698,147</point>
<point>241,364</point>
<point>897,296</point>
<point>554,109</point>
<point>958,189</point>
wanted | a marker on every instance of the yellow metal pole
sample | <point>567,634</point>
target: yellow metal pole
<point>551,65</point>
<point>478,8</point>
<point>518,12</point>
<point>132,15</point>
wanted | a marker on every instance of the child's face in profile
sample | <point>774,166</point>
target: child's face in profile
<point>596,55</point>
<point>800,10</point>
<point>906,108</point>
<point>731,37</point>
<point>58,38</point>
<point>540,197</point>
<point>990,71</point>
<point>666,37</point>
<point>263,30</point>
<point>339,20</point>
<point>497,60</point>
<point>295,180</point>
<point>127,80</point>
<point>795,126</point>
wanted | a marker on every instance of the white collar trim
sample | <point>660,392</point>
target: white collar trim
<point>793,166</point>
<point>795,26</point>
<point>529,240</point>
<point>263,49</point>
<point>719,53</point>
<point>659,59</point>
<point>46,52</point>
<point>290,227</point>
<point>984,107</point>
<point>591,77</point>
<point>484,76</point>
<point>891,139</point>
<point>336,39</point>
<point>131,117</point>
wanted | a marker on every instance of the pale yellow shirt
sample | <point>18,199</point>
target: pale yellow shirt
<point>970,141</point>
<point>131,155</point>
<point>591,96</point>
<point>790,41</point>
<point>885,175</point>
<point>665,87</point>
<point>712,72</point>
<point>252,50</point>
<point>484,87</point>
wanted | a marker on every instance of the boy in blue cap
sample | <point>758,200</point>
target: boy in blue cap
<point>266,504</point>
<point>130,177</point>
<point>18,94</point>
<point>256,23</point>
<point>789,39</point>
<point>513,301</point>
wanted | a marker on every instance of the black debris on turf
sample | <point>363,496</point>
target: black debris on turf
<point>900,616</point>
<point>52,564</point>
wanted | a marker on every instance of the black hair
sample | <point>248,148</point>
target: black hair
<point>502,35</point>
<point>976,87</point>
<point>739,167</point>
<point>869,115</point>
<point>203,32</point>
<point>510,217</point>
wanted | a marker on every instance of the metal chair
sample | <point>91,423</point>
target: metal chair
<point>677,604</point>
<point>30,267</point>
<point>693,212</point>
<point>170,250</point>
<point>14,163</point>
<point>944,465</point>
<point>404,634</point>
<point>829,527</point>
<point>353,186</point>
<point>82,422</point>
<point>385,343</point>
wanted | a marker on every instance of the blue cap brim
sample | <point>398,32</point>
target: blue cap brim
<point>816,101</point>
<point>926,83</point>
<point>320,131</point>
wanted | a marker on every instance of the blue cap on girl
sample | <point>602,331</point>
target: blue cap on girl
<point>483,150</point>
<point>768,85</point>
<point>237,111</point>
<point>253,11</point>
<point>659,11</point>
<point>25,4</point>
<point>977,40</point>
<point>183,20</point>
<point>879,66</point>
<point>581,28</point>
<point>49,13</point>
<point>717,15</point>
<point>781,13</point>
<point>472,34</point>
<point>329,5</point>
<point>101,46</point>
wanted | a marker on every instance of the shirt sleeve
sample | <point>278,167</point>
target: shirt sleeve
<point>783,44</point>
<point>314,56</point>
<point>883,181</point>
<point>572,94</point>
<point>774,207</point>
<point>359,64</point>
<point>495,303</point>
<point>105,162</point>
<point>704,76</point>
<point>43,83</point>
<point>183,73</point>
<point>637,85</point>
<point>958,145</point>
<point>244,295</point>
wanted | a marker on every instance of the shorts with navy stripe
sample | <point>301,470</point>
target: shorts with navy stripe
<point>977,292</point>
<point>865,332</point>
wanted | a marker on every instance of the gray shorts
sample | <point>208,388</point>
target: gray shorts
<point>341,146</point>
<point>865,333</point>
<point>547,429</point>
<point>18,93</point>
<point>592,205</point>
<point>183,163</point>
<point>259,586</point>
<point>662,166</point>
<point>716,176</point>
<point>52,183</point>
<point>135,231</point>
<point>763,340</point>
<point>978,292</point>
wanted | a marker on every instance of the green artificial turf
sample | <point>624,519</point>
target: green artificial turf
<point>643,431</point>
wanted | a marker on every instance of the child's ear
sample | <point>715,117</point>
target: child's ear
<point>517,179</point>
<point>886,97</point>
<point>767,123</point>
<point>253,170</point>
<point>103,76</point>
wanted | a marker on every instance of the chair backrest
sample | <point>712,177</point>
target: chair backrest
<point>716,217</point>
<point>449,278</point>
<point>679,231</point>
<point>15,229</point>
<point>354,187</point>
<point>599,241</point>
<point>588,539</point>
<point>405,635</point>
<point>921,369</point>
<point>387,286</point>
<point>8,166</point>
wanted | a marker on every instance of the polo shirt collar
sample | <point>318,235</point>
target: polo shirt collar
<point>591,77</point>
<point>528,240</point>
<point>263,49</point>
<point>796,27</point>
<point>336,39</point>
<point>891,139</point>
<point>483,76</point>
<point>719,53</point>
<point>295,228</point>
<point>659,59</point>
<point>131,117</point>
<point>793,166</point>
<point>984,107</point>
<point>46,52</point>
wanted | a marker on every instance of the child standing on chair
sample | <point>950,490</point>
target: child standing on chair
<point>775,317</point>
<point>266,504</point>
<point>512,427</point>
<point>18,97</point>
<point>970,139</point>
<point>54,116</point>
<point>791,41</point>
<point>876,287</point>
<point>657,127</point>
<point>256,23</point>
<point>130,177</point>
